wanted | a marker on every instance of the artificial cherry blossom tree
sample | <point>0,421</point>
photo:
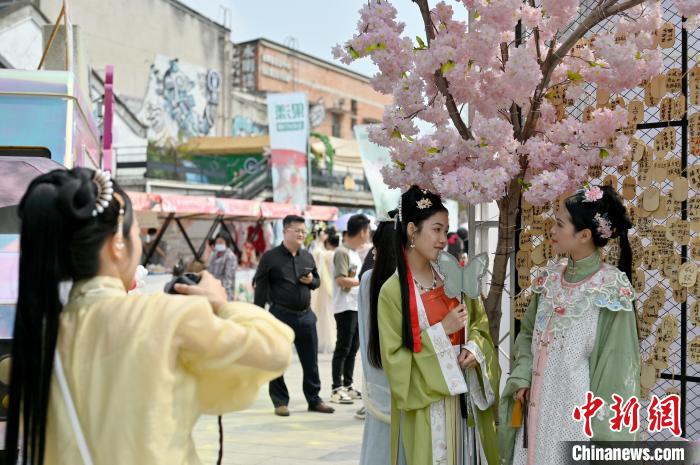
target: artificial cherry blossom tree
<point>513,66</point>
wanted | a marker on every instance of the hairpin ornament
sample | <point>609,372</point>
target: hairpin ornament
<point>592,194</point>
<point>120,217</point>
<point>424,203</point>
<point>105,191</point>
<point>604,226</point>
<point>399,216</point>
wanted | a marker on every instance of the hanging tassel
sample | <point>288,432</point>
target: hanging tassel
<point>413,308</point>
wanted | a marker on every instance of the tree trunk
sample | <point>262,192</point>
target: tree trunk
<point>508,211</point>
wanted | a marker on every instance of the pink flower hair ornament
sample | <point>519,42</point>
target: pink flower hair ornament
<point>604,226</point>
<point>591,194</point>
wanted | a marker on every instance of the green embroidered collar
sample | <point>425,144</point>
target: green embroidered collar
<point>581,269</point>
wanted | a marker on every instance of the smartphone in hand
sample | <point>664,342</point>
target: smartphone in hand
<point>305,271</point>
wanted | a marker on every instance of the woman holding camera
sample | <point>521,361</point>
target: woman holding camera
<point>105,377</point>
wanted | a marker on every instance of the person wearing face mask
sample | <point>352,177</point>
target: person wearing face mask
<point>108,377</point>
<point>223,264</point>
<point>159,256</point>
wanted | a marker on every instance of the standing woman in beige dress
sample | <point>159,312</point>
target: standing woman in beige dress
<point>321,300</point>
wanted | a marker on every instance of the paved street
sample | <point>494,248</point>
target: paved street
<point>258,437</point>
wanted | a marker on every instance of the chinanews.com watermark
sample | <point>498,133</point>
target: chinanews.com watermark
<point>642,453</point>
<point>661,414</point>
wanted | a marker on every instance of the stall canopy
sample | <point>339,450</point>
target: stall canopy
<point>173,207</point>
<point>195,207</point>
<point>206,207</point>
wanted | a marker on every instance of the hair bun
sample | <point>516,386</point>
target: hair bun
<point>77,194</point>
<point>617,212</point>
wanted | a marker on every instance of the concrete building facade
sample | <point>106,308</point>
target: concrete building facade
<point>338,98</point>
<point>130,34</point>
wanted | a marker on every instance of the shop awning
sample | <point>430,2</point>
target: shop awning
<point>207,207</point>
<point>201,206</point>
<point>278,211</point>
<point>321,213</point>
<point>243,145</point>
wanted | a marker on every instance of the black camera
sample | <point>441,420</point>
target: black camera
<point>191,279</point>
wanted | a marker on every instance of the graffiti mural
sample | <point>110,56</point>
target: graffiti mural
<point>181,101</point>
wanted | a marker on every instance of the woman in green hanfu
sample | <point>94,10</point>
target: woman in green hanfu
<point>437,353</point>
<point>578,335</point>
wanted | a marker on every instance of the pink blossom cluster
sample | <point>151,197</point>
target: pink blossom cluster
<point>471,65</point>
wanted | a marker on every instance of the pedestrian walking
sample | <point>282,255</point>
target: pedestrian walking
<point>346,267</point>
<point>284,279</point>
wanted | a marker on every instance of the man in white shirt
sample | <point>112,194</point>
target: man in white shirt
<point>347,265</point>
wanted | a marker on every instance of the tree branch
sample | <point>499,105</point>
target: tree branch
<point>440,81</point>
<point>554,58</point>
<point>536,32</point>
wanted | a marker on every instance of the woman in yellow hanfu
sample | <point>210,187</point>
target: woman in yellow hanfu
<point>104,377</point>
<point>443,379</point>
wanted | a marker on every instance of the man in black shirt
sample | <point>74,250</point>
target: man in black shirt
<point>285,277</point>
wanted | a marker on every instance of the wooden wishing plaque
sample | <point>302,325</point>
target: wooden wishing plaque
<point>610,180</point>
<point>602,97</point>
<point>678,108</point>
<point>695,248</point>
<point>639,281</point>
<point>694,208</point>
<point>674,80</point>
<point>695,145</point>
<point>538,257</point>
<point>666,109</point>
<point>680,232</point>
<point>595,172</point>
<point>669,325</point>
<point>659,170</point>
<point>625,168</point>
<point>667,36</point>
<point>665,140</point>
<point>648,375</point>
<point>641,211</point>
<point>637,147</point>
<point>696,289</point>
<point>658,86</point>
<point>671,267</point>
<point>651,198</point>
<point>521,304</point>
<point>694,176</point>
<point>680,295</point>
<point>674,168</point>
<point>694,350</point>
<point>688,274</point>
<point>693,86</point>
<point>537,225</point>
<point>629,188</point>
<point>694,125</point>
<point>694,313</point>
<point>679,193</point>
<point>635,112</point>
<point>659,357</point>
<point>525,240</point>
<point>523,262</point>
